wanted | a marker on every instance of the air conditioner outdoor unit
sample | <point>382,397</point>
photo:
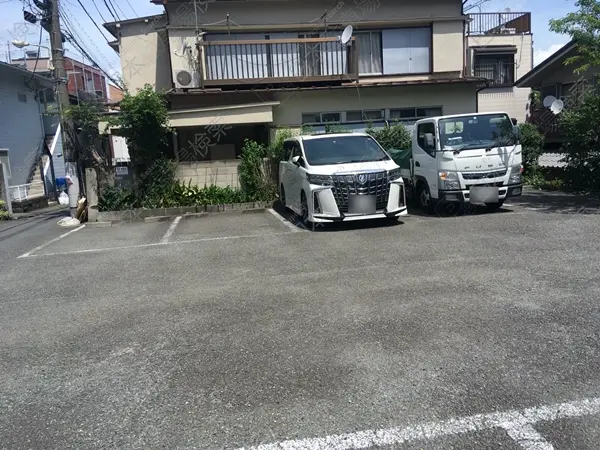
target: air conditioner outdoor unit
<point>186,79</point>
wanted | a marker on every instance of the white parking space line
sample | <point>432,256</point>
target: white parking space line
<point>170,231</point>
<point>286,222</point>
<point>52,241</point>
<point>154,244</point>
<point>527,438</point>
<point>517,424</point>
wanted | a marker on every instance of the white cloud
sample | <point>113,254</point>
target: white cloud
<point>541,55</point>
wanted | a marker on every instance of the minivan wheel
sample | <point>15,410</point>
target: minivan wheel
<point>282,197</point>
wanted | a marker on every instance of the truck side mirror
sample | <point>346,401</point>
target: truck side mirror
<point>429,141</point>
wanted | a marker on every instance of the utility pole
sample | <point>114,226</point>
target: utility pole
<point>62,96</point>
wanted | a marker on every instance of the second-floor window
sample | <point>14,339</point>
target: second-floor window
<point>499,69</point>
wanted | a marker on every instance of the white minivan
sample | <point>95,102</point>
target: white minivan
<point>340,177</point>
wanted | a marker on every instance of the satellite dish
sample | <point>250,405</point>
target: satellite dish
<point>557,106</point>
<point>346,35</point>
<point>549,100</point>
<point>507,10</point>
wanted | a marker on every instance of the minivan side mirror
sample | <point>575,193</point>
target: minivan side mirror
<point>297,160</point>
<point>429,141</point>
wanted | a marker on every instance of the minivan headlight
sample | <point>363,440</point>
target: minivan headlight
<point>394,174</point>
<point>321,180</point>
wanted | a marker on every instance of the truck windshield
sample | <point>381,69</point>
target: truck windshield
<point>477,131</point>
<point>342,150</point>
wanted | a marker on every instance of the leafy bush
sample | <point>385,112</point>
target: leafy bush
<point>3,211</point>
<point>582,144</point>
<point>116,199</point>
<point>532,142</point>
<point>152,185</point>
<point>255,172</point>
<point>276,149</point>
<point>177,195</point>
<point>391,136</point>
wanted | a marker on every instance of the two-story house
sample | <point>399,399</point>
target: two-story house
<point>500,49</point>
<point>244,69</point>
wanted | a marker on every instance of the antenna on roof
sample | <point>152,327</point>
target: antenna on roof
<point>228,28</point>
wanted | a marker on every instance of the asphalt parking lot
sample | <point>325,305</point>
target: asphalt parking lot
<point>233,331</point>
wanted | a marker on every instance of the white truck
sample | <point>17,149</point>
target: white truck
<point>474,158</point>
<point>340,177</point>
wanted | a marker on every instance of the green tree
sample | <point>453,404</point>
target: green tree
<point>583,26</point>
<point>86,117</point>
<point>532,142</point>
<point>582,143</point>
<point>144,121</point>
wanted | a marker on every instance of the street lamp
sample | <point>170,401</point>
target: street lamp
<point>23,44</point>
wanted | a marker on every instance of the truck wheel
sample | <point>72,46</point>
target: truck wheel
<point>424,196</point>
<point>494,206</point>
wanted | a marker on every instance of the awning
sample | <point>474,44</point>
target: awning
<point>223,115</point>
<point>226,115</point>
<point>495,49</point>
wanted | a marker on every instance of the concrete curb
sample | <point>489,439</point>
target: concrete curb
<point>98,224</point>
<point>161,214</point>
<point>157,219</point>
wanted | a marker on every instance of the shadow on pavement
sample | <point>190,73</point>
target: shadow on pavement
<point>557,202</point>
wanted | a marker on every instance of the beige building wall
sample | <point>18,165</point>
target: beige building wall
<point>206,173</point>
<point>277,12</point>
<point>145,58</point>
<point>453,98</point>
<point>513,100</point>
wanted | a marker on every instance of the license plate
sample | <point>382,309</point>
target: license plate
<point>361,204</point>
<point>480,195</point>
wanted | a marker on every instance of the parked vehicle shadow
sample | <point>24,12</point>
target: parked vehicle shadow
<point>557,202</point>
<point>334,226</point>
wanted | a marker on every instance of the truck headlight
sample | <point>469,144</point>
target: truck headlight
<point>449,181</point>
<point>394,174</point>
<point>321,180</point>
<point>516,175</point>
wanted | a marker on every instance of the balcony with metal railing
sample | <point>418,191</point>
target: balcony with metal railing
<point>499,73</point>
<point>277,61</point>
<point>498,23</point>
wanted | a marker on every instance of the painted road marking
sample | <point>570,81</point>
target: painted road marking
<point>170,231</point>
<point>284,221</point>
<point>517,424</point>
<point>155,244</point>
<point>52,241</point>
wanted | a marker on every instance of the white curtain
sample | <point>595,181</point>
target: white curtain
<point>369,53</point>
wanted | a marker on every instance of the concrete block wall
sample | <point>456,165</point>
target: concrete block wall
<point>221,173</point>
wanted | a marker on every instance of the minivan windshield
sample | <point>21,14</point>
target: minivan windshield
<point>342,150</point>
<point>478,131</point>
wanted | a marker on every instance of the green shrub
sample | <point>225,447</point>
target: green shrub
<point>254,171</point>
<point>116,199</point>
<point>3,211</point>
<point>276,147</point>
<point>391,136</point>
<point>532,142</point>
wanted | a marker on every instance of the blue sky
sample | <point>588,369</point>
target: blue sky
<point>12,25</point>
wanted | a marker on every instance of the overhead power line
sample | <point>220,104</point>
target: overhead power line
<point>112,13</point>
<point>93,21</point>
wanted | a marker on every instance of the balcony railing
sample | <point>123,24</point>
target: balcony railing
<point>278,61</point>
<point>498,73</point>
<point>499,23</point>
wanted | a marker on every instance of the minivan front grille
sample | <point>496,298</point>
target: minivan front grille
<point>375,183</point>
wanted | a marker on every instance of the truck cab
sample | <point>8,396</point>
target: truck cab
<point>473,158</point>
